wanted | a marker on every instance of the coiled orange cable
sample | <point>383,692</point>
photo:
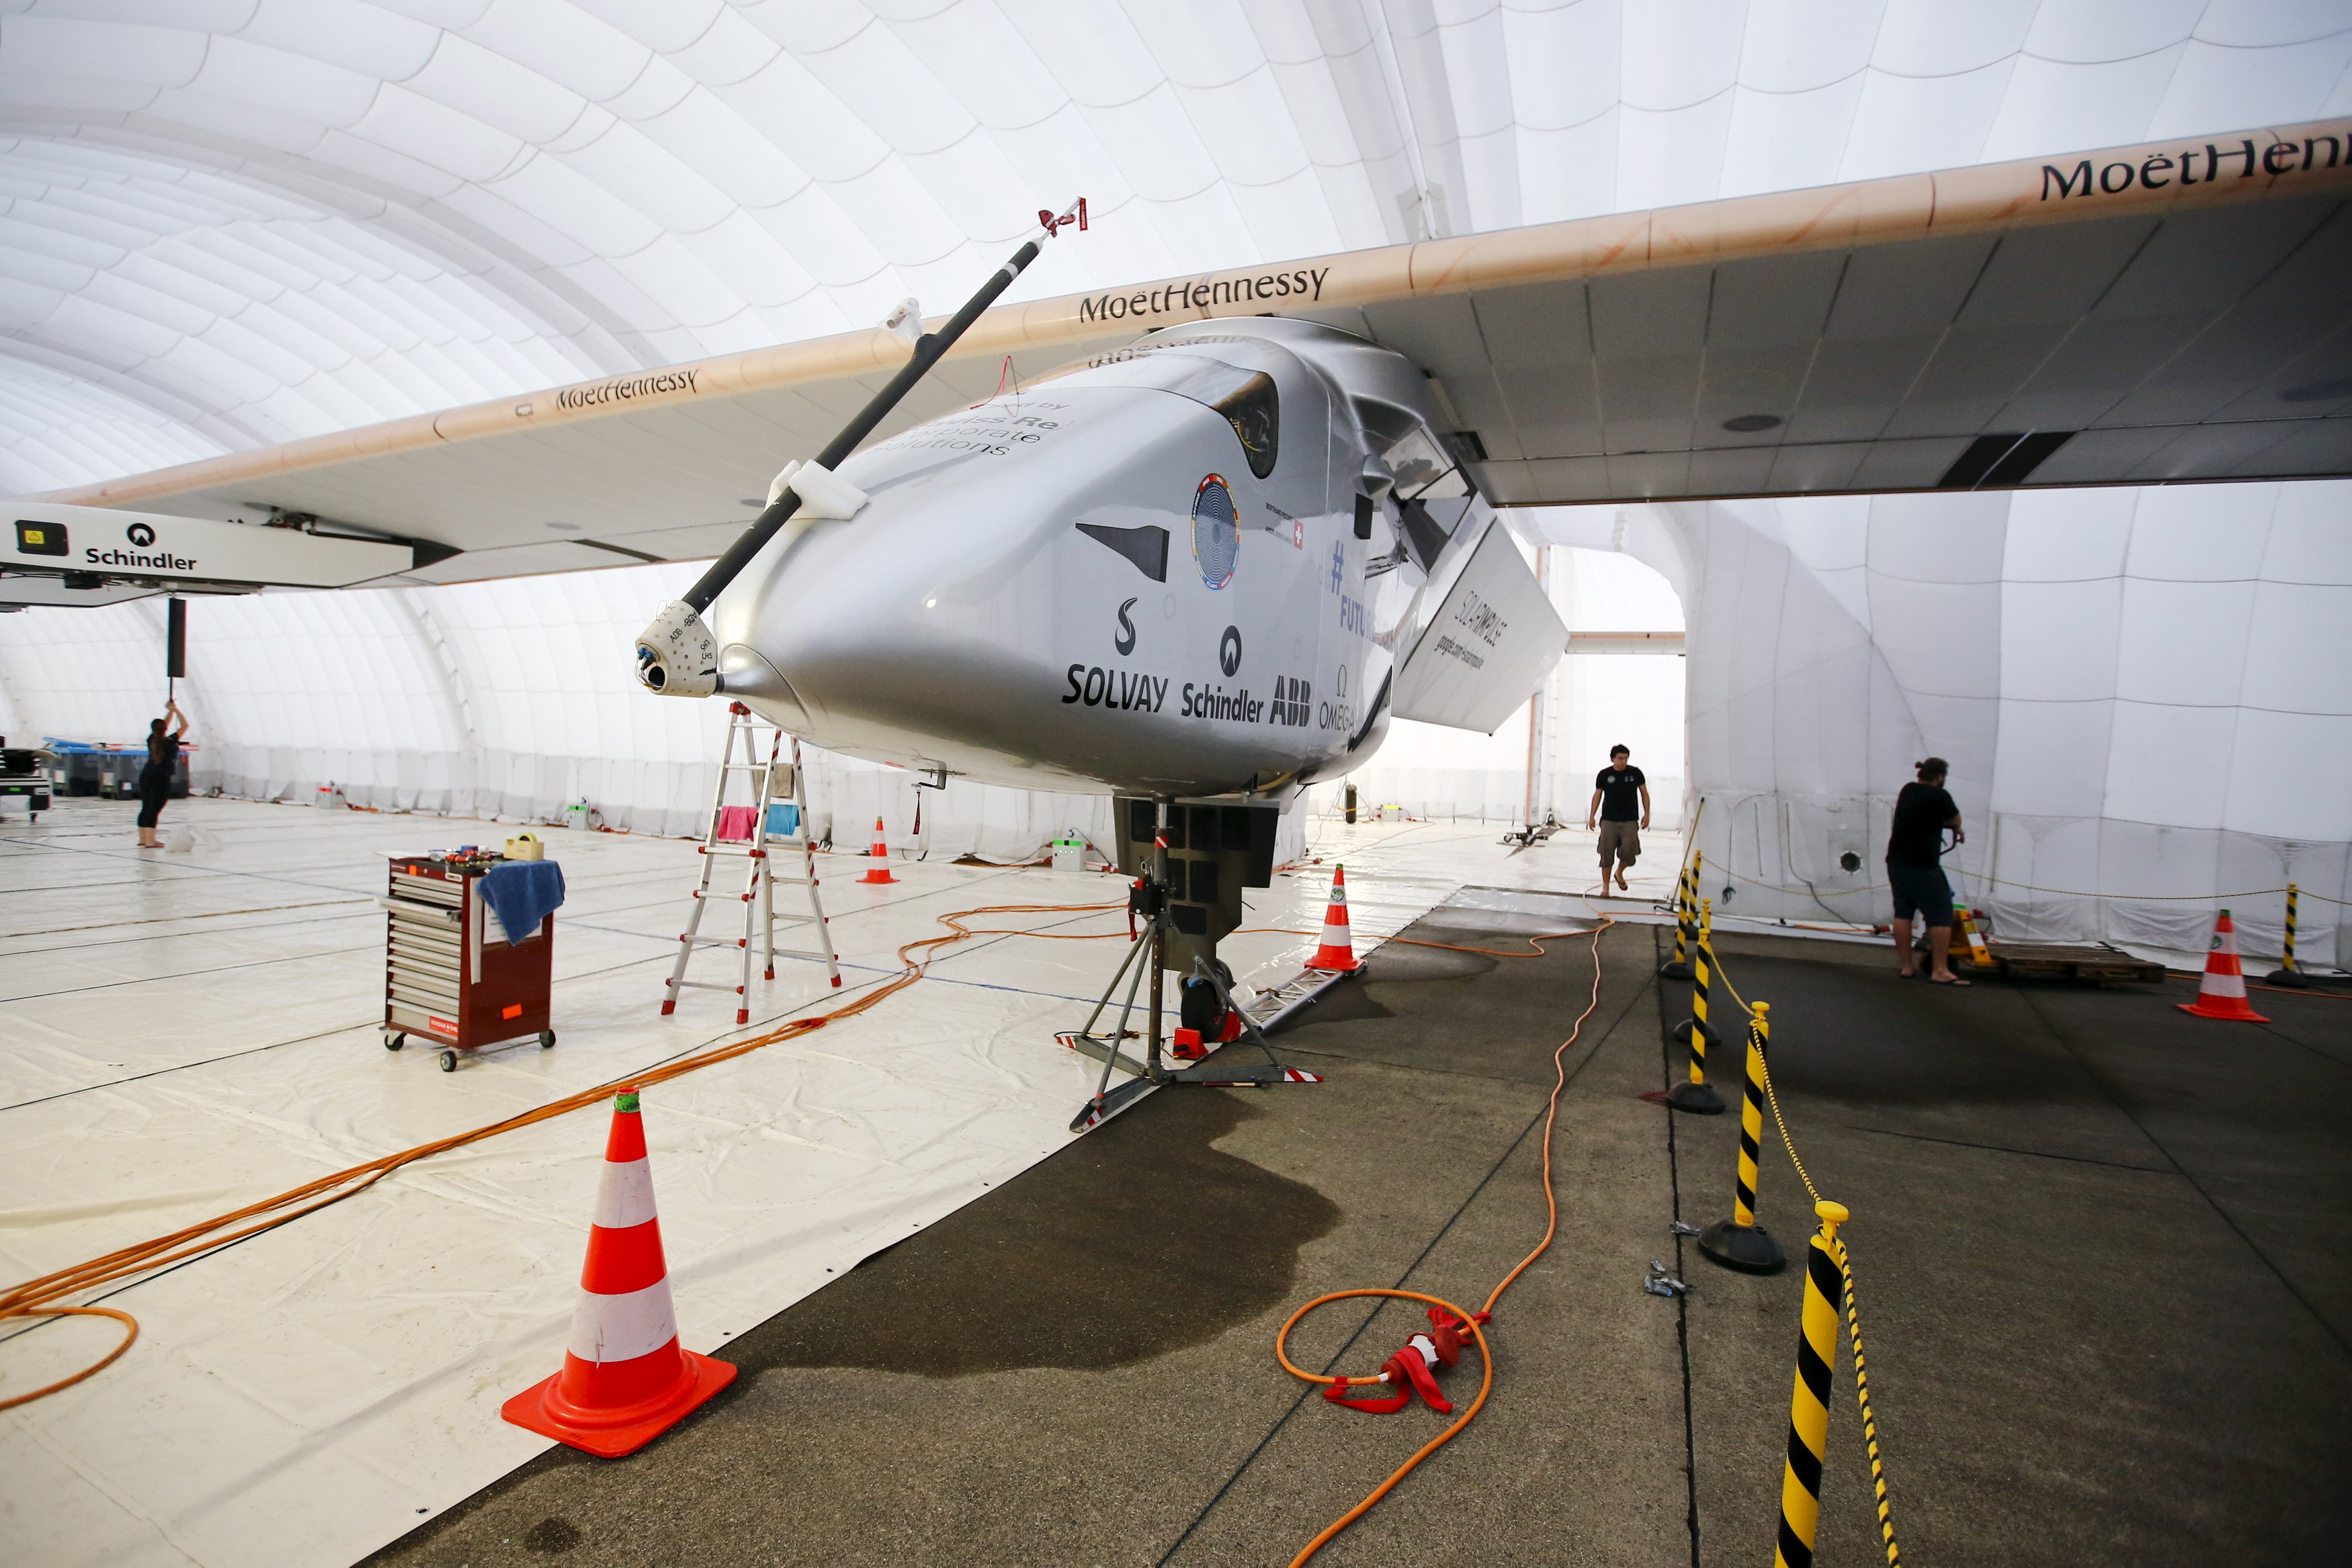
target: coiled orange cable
<point>1551,1229</point>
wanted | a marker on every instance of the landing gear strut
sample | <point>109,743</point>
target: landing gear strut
<point>1147,955</point>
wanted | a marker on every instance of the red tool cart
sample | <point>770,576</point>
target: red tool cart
<point>451,977</point>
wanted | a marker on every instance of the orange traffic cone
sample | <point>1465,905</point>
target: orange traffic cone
<point>2221,994</point>
<point>881,870</point>
<point>624,1380</point>
<point>1338,950</point>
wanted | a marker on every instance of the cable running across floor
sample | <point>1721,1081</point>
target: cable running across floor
<point>47,1296</point>
<point>1472,1322</point>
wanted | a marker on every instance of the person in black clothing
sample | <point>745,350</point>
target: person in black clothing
<point>1914,848</point>
<point>1614,790</point>
<point>155,777</point>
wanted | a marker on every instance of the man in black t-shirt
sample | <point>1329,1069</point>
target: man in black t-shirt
<point>1615,790</point>
<point>1914,848</point>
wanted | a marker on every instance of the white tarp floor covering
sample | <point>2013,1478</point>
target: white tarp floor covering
<point>189,1032</point>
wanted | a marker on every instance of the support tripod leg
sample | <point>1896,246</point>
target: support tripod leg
<point>1103,1001</point>
<point>1126,1012</point>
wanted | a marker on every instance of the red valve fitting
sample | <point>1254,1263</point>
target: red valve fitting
<point>1413,1369</point>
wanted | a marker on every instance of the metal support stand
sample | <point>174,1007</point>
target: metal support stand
<point>1144,956</point>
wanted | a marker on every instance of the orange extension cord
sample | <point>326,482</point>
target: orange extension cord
<point>42,1298</point>
<point>1551,1228</point>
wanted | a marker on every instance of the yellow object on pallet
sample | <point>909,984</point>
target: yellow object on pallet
<point>1979,954</point>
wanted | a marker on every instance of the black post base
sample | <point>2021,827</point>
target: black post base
<point>1681,1031</point>
<point>1695,1098</point>
<point>2290,978</point>
<point>1675,969</point>
<point>1747,1247</point>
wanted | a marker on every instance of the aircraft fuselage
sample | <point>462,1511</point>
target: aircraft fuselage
<point>1184,568</point>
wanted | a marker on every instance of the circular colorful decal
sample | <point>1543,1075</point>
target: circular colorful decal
<point>1216,532</point>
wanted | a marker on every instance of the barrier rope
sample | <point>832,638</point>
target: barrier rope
<point>1862,1398</point>
<point>44,1297</point>
<point>1467,1319</point>
<point>1838,1251</point>
<point>2033,887</point>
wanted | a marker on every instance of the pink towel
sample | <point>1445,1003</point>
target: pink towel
<point>735,823</point>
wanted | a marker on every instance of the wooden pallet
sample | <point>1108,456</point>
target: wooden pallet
<point>2062,961</point>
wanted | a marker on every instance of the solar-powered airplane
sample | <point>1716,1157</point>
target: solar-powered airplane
<point>1202,536</point>
<point>1200,571</point>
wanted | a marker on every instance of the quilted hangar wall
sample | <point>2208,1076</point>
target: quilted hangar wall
<point>2145,694</point>
<point>508,699</point>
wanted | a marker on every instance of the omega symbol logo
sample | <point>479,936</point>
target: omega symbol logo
<point>1228,650</point>
<point>140,533</point>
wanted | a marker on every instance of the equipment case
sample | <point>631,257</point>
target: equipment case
<point>451,977</point>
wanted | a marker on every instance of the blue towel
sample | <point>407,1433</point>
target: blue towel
<point>521,893</point>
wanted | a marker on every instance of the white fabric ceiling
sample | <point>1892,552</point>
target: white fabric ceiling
<point>231,223</point>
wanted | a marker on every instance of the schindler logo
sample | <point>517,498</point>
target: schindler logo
<point>141,537</point>
<point>161,561</point>
<point>2195,166</point>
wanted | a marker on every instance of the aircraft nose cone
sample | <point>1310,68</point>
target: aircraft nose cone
<point>879,625</point>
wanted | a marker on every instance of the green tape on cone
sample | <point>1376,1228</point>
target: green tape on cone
<point>625,1102</point>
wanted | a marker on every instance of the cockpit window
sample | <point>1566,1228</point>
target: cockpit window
<point>1245,399</point>
<point>1424,471</point>
<point>1254,411</point>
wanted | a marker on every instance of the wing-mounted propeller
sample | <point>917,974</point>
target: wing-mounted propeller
<point>677,654</point>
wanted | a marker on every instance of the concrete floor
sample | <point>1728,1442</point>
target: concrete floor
<point>2102,1318</point>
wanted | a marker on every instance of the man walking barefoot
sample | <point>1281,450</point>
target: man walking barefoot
<point>1615,790</point>
<point>1914,848</point>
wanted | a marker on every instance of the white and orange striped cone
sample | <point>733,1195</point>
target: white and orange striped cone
<point>881,870</point>
<point>1338,950</point>
<point>2221,994</point>
<point>625,1381</point>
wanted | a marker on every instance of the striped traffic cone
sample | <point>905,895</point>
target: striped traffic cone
<point>2221,994</point>
<point>625,1381</point>
<point>1338,950</point>
<point>879,872</point>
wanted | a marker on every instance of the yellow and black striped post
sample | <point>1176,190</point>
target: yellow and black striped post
<point>2286,974</point>
<point>1809,1405</point>
<point>1686,904</point>
<point>1739,1242</point>
<point>1695,1030</point>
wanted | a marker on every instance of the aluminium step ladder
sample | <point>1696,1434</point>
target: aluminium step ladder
<point>772,782</point>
